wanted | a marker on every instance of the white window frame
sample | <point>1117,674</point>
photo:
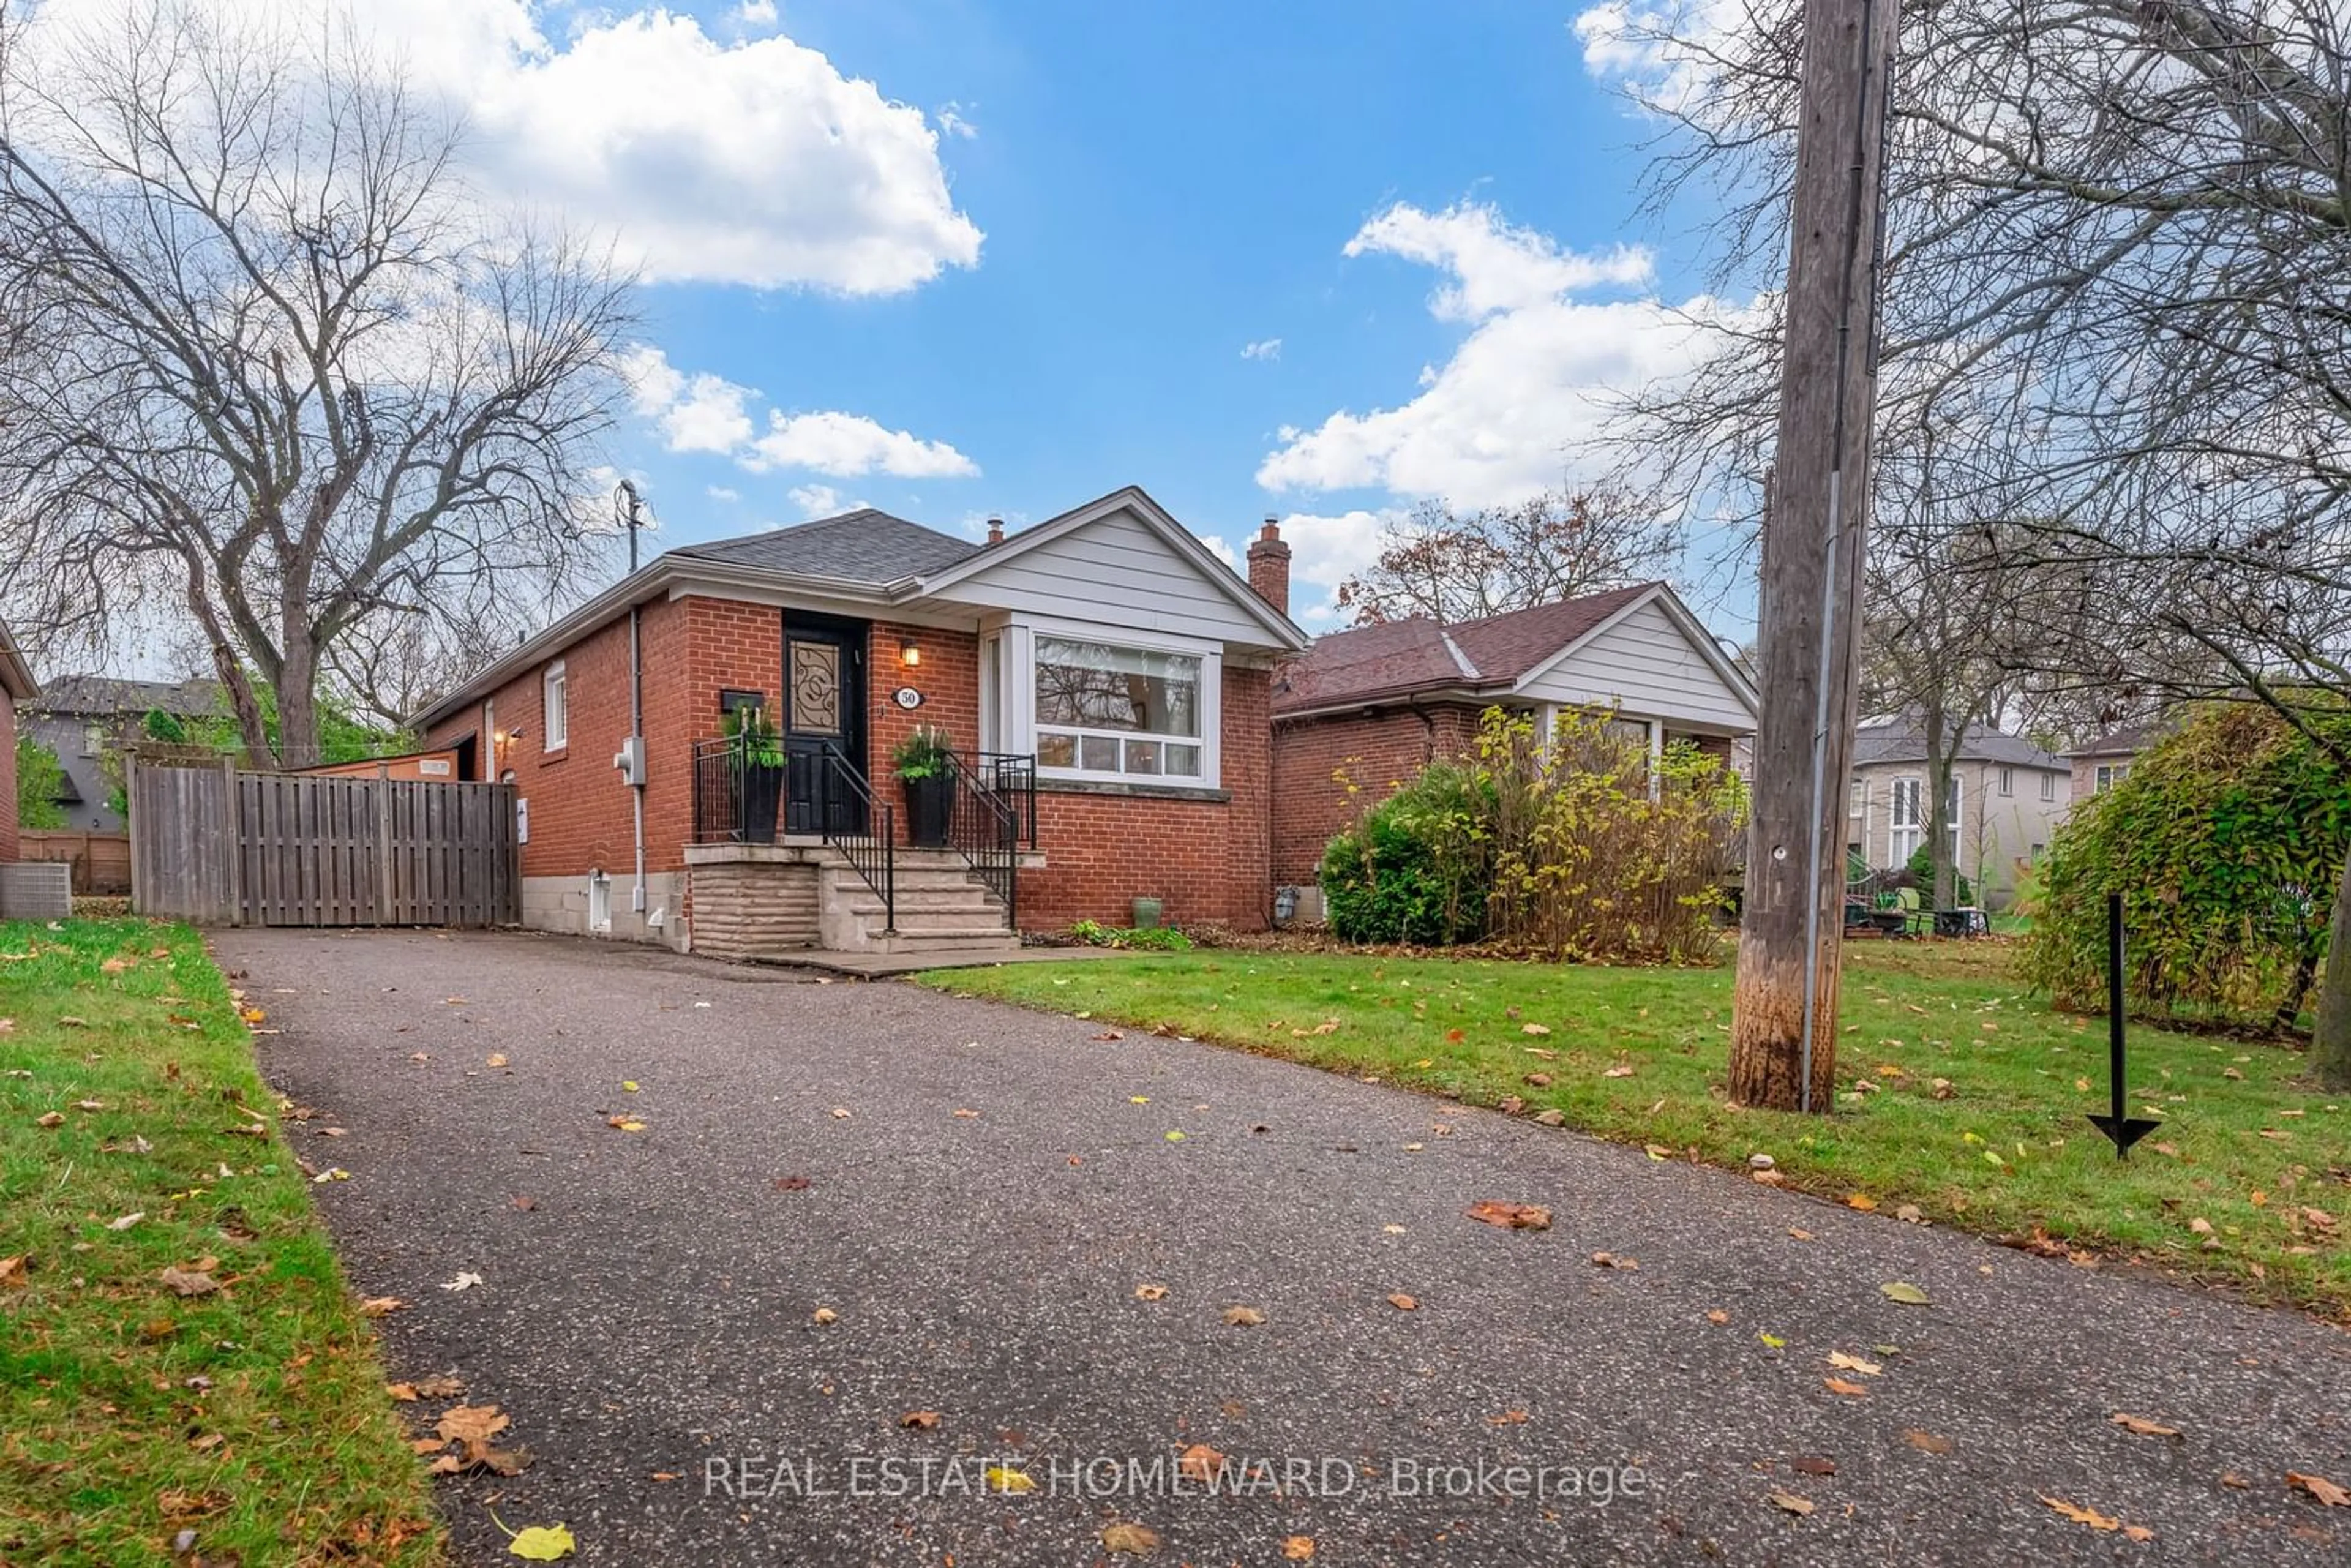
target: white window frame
<point>1952,817</point>
<point>2049,785</point>
<point>1856,796</point>
<point>1018,710</point>
<point>2008,780</point>
<point>2108,775</point>
<point>1905,831</point>
<point>490,746</point>
<point>555,708</point>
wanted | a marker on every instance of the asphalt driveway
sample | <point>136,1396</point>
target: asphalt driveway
<point>974,1195</point>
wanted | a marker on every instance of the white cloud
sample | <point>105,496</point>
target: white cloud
<point>1501,419</point>
<point>1324,551</point>
<point>1264,349</point>
<point>955,119</point>
<point>706,412</point>
<point>723,494</point>
<point>1493,265</point>
<point>753,161</point>
<point>754,14</point>
<point>845,446</point>
<point>816,500</point>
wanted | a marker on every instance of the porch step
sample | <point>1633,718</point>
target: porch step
<point>996,938</point>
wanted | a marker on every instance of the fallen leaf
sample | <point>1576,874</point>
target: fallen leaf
<point>188,1281</point>
<point>1925,1442</point>
<point>1402,1302</point>
<point>624,1123</point>
<point>1850,1390</point>
<point>1534,1028</point>
<point>542,1543</point>
<point>403,1391</point>
<point>465,1280</point>
<point>1174,1138</point>
<point>2142,1426</point>
<point>1004,1478</point>
<point>1151,1293</point>
<point>840,1113</point>
<point>127,1221</point>
<point>2079,1515</point>
<point>497,1059</point>
<point>1813,1465</point>
<point>1790,1502</point>
<point>824,1315</point>
<point>440,1385</point>
<point>919,1420</point>
<point>1772,1340</point>
<point>1508,1418</point>
<point>1511,1216</point>
<point>2326,1491</point>
<point>1610,1260</point>
<point>1861,1201</point>
<point>378,1306</point>
<point>13,1273</point>
<point>1798,1233</point>
<point>1134,1540</point>
<point>51,1119</point>
<point>1909,1295</point>
<point>1718,1316</point>
<point>1199,1463</point>
<point>1622,1070</point>
<point>1910,1214</point>
<point>1844,1362</point>
<point>1243,1317</point>
<point>471,1423</point>
<point>1298,1548</point>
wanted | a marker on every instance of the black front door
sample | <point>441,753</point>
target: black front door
<point>824,724</point>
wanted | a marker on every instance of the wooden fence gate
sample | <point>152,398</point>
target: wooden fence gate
<point>221,847</point>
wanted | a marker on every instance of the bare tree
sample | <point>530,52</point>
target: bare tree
<point>271,364</point>
<point>2117,251</point>
<point>1450,566</point>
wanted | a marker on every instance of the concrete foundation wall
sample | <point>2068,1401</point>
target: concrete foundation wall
<point>757,909</point>
<point>564,903</point>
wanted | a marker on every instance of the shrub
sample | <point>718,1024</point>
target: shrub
<point>40,779</point>
<point>1921,873</point>
<point>1418,866</point>
<point>1553,843</point>
<point>2225,842</point>
<point>1589,861</point>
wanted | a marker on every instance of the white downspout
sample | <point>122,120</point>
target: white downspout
<point>637,739</point>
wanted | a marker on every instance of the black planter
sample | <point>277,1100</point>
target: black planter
<point>930,807</point>
<point>762,786</point>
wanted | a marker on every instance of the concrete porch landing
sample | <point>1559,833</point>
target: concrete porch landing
<point>883,966</point>
<point>803,899</point>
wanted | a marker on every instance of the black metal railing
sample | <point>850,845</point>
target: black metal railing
<point>741,800</point>
<point>991,818</point>
<point>864,830</point>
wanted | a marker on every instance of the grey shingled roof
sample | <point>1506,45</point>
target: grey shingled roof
<point>865,546</point>
<point>105,695</point>
<point>1904,740</point>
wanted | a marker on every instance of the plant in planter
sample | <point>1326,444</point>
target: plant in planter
<point>757,750</point>
<point>924,764</point>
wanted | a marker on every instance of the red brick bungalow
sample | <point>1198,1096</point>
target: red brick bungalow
<point>1380,702</point>
<point>1103,677</point>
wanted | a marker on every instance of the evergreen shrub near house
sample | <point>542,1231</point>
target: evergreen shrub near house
<point>1920,869</point>
<point>2226,841</point>
<point>1553,844</point>
<point>40,779</point>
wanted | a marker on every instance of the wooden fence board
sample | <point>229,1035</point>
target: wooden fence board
<point>219,847</point>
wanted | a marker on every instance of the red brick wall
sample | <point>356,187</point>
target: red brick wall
<point>948,678</point>
<point>8,778</point>
<point>1378,750</point>
<point>1204,860</point>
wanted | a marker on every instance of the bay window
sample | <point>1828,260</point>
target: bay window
<point>1112,711</point>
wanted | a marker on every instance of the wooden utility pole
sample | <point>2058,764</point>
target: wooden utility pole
<point>1783,1017</point>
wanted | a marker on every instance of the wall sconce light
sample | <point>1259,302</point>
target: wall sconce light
<point>911,655</point>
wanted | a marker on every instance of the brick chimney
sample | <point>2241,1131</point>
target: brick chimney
<point>1269,567</point>
<point>996,530</point>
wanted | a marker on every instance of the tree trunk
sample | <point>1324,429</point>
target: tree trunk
<point>1938,807</point>
<point>298,703</point>
<point>1815,521</point>
<point>2331,1047</point>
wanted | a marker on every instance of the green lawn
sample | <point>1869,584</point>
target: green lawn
<point>1959,1094</point>
<point>253,1413</point>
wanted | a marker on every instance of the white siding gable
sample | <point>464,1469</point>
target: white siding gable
<point>1115,570</point>
<point>1644,664</point>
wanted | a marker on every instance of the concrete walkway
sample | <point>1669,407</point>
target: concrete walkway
<point>975,1195</point>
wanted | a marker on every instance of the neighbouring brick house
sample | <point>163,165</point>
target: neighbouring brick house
<point>16,686</point>
<point>1102,676</point>
<point>2103,762</point>
<point>1377,702</point>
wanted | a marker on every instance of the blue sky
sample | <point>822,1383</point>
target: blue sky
<point>964,257</point>
<point>1156,189</point>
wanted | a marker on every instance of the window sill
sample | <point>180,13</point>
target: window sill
<point>554,753</point>
<point>1048,785</point>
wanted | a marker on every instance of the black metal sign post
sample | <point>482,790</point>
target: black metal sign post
<point>2123,1130</point>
